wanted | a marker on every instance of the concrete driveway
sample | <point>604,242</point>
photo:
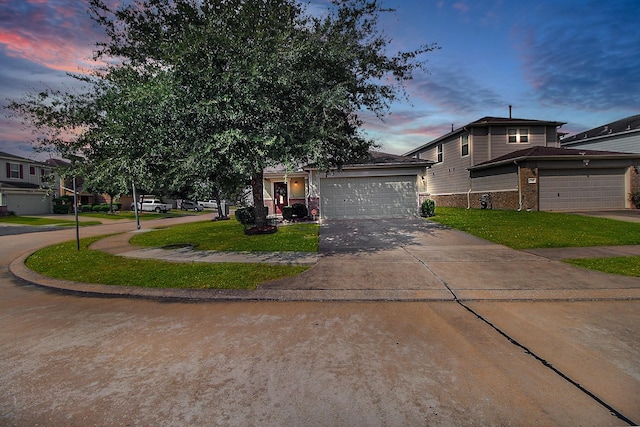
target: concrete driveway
<point>564,351</point>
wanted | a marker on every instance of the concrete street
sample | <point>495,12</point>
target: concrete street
<point>399,323</point>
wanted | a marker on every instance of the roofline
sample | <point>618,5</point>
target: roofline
<point>421,163</point>
<point>617,156</point>
<point>594,138</point>
<point>487,123</point>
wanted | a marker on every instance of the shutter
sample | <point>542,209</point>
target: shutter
<point>8,170</point>
<point>21,172</point>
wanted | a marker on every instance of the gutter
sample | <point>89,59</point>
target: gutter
<point>560,157</point>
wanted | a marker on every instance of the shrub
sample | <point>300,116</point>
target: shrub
<point>300,210</point>
<point>635,198</point>
<point>287,213</point>
<point>247,215</point>
<point>61,209</point>
<point>86,208</point>
<point>428,208</point>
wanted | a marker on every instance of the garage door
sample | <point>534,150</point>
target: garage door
<point>368,197</point>
<point>582,190</point>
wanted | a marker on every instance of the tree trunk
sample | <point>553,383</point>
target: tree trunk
<point>216,196</point>
<point>257,187</point>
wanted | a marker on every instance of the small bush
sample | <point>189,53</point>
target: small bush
<point>86,208</point>
<point>287,213</point>
<point>61,209</point>
<point>300,210</point>
<point>428,208</point>
<point>247,216</point>
<point>635,198</point>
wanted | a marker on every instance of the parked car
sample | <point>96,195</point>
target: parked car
<point>152,205</point>
<point>188,205</point>
<point>209,204</point>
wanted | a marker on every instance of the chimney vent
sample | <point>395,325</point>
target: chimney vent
<point>509,111</point>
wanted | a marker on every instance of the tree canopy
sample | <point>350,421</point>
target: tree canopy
<point>204,90</point>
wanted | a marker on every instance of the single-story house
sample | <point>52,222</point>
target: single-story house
<point>22,186</point>
<point>383,186</point>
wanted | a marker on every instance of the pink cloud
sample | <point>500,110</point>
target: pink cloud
<point>51,53</point>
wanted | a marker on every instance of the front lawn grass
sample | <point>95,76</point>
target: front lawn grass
<point>144,216</point>
<point>32,220</point>
<point>229,236</point>
<point>528,230</point>
<point>627,266</point>
<point>63,261</point>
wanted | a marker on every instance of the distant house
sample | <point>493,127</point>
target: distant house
<point>64,186</point>
<point>23,186</point>
<point>520,163</point>
<point>621,136</point>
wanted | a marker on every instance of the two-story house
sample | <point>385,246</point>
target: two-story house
<point>519,162</point>
<point>21,186</point>
<point>622,136</point>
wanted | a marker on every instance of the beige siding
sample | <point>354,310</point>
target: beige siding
<point>502,181</point>
<point>450,176</point>
<point>480,152</point>
<point>538,136</point>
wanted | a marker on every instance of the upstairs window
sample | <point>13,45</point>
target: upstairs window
<point>14,171</point>
<point>439,153</point>
<point>464,144</point>
<point>518,136</point>
<point>32,170</point>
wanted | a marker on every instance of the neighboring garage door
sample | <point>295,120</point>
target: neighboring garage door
<point>368,197</point>
<point>582,190</point>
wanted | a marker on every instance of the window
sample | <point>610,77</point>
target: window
<point>465,145</point>
<point>32,170</point>
<point>14,171</point>
<point>439,151</point>
<point>518,136</point>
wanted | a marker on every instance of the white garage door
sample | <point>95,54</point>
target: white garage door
<point>368,197</point>
<point>582,190</point>
<point>29,204</point>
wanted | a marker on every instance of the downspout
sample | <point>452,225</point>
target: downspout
<point>515,162</point>
<point>469,199</point>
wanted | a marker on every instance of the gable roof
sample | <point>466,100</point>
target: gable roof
<point>486,122</point>
<point>13,156</point>
<point>379,159</point>
<point>20,158</point>
<point>552,153</point>
<point>628,124</point>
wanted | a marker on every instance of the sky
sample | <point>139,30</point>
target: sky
<point>573,61</point>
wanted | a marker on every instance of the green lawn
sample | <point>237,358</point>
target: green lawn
<point>627,266</point>
<point>64,262</point>
<point>229,236</point>
<point>30,220</point>
<point>144,216</point>
<point>527,230</point>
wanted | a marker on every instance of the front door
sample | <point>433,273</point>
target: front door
<point>281,196</point>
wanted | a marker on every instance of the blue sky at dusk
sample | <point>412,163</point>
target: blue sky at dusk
<point>575,61</point>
